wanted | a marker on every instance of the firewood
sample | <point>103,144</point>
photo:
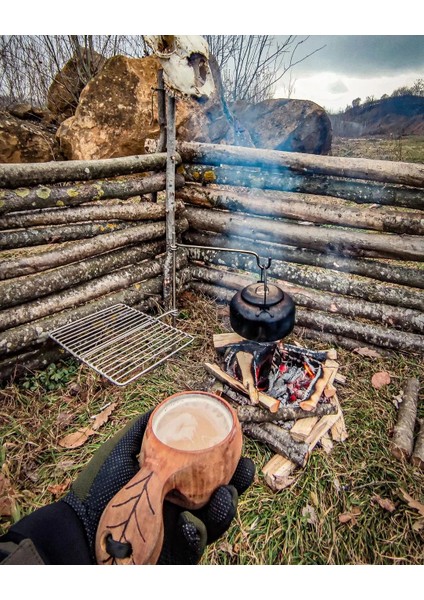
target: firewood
<point>302,428</point>
<point>321,428</point>
<point>284,413</point>
<point>220,340</point>
<point>403,434</point>
<point>278,440</point>
<point>417,458</point>
<point>277,472</point>
<point>264,400</point>
<point>329,372</point>
<point>338,431</point>
<point>326,443</point>
<point>245,360</point>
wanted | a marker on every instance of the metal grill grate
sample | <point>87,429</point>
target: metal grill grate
<point>121,343</point>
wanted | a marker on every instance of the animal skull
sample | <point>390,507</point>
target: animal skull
<point>185,62</point>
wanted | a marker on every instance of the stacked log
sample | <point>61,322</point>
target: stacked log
<point>72,244</point>
<point>345,237</point>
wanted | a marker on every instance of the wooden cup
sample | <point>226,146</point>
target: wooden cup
<point>133,517</point>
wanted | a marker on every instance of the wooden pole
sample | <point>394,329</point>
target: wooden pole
<point>169,292</point>
<point>357,168</point>
<point>402,442</point>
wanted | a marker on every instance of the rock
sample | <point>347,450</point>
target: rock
<point>288,125</point>
<point>23,141</point>
<point>114,116</point>
<point>65,90</point>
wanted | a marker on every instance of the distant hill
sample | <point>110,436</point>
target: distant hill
<point>398,115</point>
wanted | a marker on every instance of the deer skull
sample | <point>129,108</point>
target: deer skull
<point>185,63</point>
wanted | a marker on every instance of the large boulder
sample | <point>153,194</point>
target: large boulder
<point>24,141</point>
<point>65,89</point>
<point>117,113</point>
<point>284,124</point>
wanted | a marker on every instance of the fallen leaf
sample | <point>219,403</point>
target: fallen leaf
<point>58,489</point>
<point>6,497</point>
<point>413,503</point>
<point>64,419</point>
<point>336,484</point>
<point>350,517</point>
<point>384,503</point>
<point>314,499</point>
<point>103,417</point>
<point>76,439</point>
<point>364,351</point>
<point>380,379</point>
<point>65,464</point>
<point>418,525</point>
<point>308,511</point>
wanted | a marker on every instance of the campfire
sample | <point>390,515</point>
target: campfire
<point>285,397</point>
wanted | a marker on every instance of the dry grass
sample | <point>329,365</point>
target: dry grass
<point>271,528</point>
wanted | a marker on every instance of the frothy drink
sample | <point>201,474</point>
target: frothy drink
<point>192,422</point>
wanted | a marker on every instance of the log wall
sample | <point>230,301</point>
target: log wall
<point>345,237</point>
<point>72,243</point>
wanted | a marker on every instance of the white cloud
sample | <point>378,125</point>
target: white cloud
<point>334,92</point>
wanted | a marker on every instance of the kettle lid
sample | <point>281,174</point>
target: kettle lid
<point>255,294</point>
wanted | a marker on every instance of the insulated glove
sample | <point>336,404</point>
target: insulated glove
<point>64,532</point>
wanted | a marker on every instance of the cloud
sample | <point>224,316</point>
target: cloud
<point>337,87</point>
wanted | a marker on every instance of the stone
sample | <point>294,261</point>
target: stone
<point>287,125</point>
<point>23,141</point>
<point>64,92</point>
<point>117,113</point>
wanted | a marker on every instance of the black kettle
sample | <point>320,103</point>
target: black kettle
<point>262,312</point>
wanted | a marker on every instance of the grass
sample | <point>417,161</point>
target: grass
<point>398,148</point>
<point>270,527</point>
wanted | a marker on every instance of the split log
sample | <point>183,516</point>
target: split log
<point>370,268</point>
<point>244,360</point>
<point>19,338</point>
<point>357,168</point>
<point>279,440</point>
<point>80,294</point>
<point>220,340</point>
<point>321,428</point>
<point>277,472</point>
<point>359,191</point>
<point>30,174</point>
<point>332,239</point>
<point>140,211</point>
<point>303,207</point>
<point>256,414</point>
<point>393,316</point>
<point>417,458</point>
<point>302,428</point>
<point>329,372</point>
<point>68,195</point>
<point>29,287</point>
<point>24,238</point>
<point>338,430</point>
<point>83,249</point>
<point>402,442</point>
<point>264,400</point>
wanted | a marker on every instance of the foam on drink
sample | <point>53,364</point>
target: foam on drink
<point>192,422</point>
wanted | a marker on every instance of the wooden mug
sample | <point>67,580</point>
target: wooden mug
<point>183,460</point>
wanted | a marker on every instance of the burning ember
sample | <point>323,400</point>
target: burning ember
<point>284,372</point>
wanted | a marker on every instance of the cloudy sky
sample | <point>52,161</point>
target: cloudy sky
<point>346,67</point>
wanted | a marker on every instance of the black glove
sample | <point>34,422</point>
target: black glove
<point>64,532</point>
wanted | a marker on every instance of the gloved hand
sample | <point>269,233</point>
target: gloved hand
<point>64,532</point>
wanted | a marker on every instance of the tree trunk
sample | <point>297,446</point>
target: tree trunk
<point>347,189</point>
<point>391,272</point>
<point>24,238</point>
<point>83,249</point>
<point>320,279</point>
<point>79,193</point>
<point>23,289</point>
<point>14,340</point>
<point>400,318</point>
<point>356,168</point>
<point>279,440</point>
<point>402,442</point>
<point>142,211</point>
<point>17,175</point>
<point>254,414</point>
<point>80,294</point>
<point>303,207</point>
<point>417,458</point>
<point>336,340</point>
<point>328,239</point>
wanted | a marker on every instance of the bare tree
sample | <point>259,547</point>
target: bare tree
<point>252,65</point>
<point>29,63</point>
